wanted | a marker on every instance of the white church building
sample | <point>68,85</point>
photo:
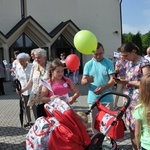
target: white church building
<point>52,25</point>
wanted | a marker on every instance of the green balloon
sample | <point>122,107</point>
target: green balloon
<point>85,42</point>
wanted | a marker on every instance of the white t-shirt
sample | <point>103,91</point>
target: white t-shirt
<point>23,76</point>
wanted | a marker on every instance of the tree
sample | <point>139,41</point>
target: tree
<point>127,37</point>
<point>136,39</point>
<point>142,41</point>
<point>146,41</point>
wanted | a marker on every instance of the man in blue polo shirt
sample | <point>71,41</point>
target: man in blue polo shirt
<point>98,74</point>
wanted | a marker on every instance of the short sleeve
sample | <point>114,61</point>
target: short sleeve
<point>87,68</point>
<point>145,63</point>
<point>137,112</point>
<point>110,66</point>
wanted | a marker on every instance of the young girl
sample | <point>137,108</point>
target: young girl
<point>141,114</point>
<point>60,85</point>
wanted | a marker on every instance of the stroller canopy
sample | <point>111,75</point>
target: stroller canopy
<point>70,134</point>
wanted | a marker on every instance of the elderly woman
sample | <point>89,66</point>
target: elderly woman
<point>40,70</point>
<point>23,74</point>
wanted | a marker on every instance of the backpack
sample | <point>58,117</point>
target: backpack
<point>39,134</point>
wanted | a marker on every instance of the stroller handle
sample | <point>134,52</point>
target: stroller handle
<point>119,94</point>
<point>114,93</point>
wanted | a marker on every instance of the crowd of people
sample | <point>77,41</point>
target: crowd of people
<point>130,72</point>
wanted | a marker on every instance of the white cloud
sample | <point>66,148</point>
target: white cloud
<point>127,28</point>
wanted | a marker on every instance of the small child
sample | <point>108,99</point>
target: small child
<point>141,114</point>
<point>84,120</point>
<point>60,85</point>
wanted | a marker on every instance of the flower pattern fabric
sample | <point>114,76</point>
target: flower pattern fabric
<point>35,95</point>
<point>133,73</point>
<point>122,69</point>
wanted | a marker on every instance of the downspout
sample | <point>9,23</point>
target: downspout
<point>120,1</point>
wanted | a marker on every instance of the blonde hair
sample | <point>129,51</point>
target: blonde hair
<point>145,96</point>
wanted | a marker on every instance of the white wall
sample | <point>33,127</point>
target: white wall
<point>99,16</point>
<point>10,14</point>
<point>49,13</point>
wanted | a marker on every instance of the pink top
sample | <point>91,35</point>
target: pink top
<point>62,87</point>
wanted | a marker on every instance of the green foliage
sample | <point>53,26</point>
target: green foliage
<point>141,40</point>
<point>127,37</point>
<point>136,39</point>
<point>146,41</point>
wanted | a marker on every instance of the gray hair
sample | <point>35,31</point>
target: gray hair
<point>40,51</point>
<point>33,50</point>
<point>22,56</point>
<point>28,56</point>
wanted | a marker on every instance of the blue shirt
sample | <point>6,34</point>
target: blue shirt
<point>100,70</point>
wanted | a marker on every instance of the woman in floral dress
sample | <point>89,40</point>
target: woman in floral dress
<point>136,67</point>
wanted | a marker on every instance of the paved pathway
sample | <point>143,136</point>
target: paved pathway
<point>12,137</point>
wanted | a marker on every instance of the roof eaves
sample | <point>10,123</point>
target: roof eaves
<point>21,22</point>
<point>61,26</point>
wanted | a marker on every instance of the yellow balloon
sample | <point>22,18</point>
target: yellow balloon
<point>85,42</point>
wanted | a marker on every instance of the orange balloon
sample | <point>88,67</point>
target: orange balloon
<point>72,62</point>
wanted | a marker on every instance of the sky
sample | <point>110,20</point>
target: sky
<point>135,16</point>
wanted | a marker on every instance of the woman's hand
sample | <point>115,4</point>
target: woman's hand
<point>117,69</point>
<point>19,92</point>
<point>8,69</point>
<point>120,81</point>
<point>71,100</point>
<point>53,97</point>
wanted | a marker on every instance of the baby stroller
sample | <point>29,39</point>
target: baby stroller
<point>60,130</point>
<point>108,122</point>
